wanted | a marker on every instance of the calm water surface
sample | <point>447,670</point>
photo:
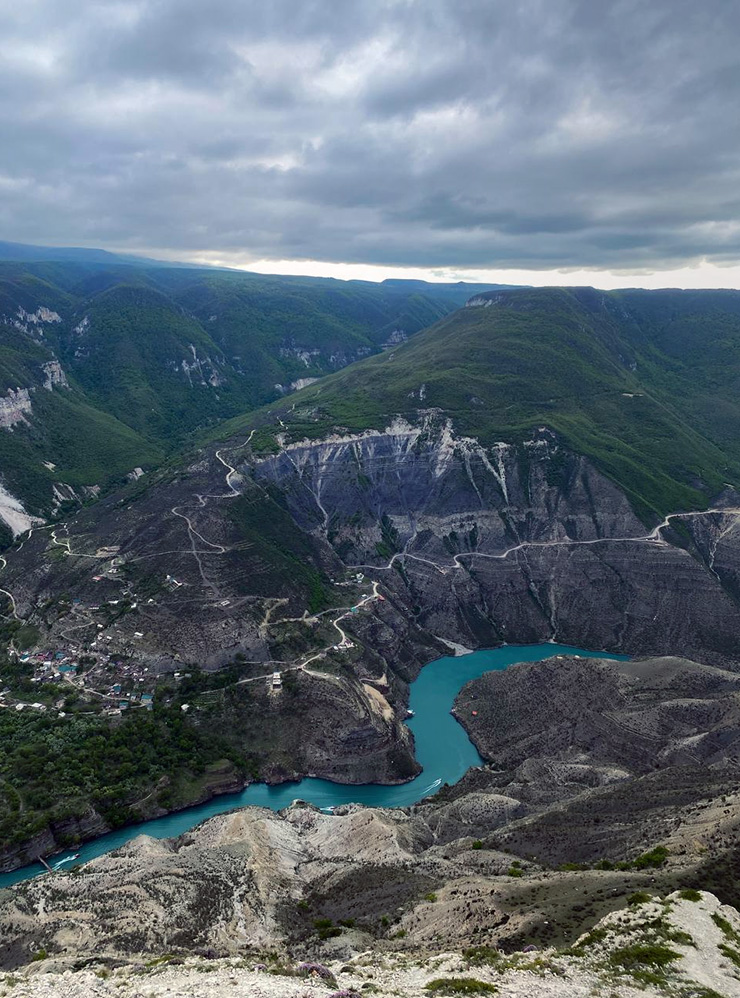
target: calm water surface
<point>442,747</point>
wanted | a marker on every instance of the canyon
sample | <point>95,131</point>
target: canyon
<point>346,535</point>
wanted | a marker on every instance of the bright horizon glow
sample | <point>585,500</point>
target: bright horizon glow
<point>701,275</point>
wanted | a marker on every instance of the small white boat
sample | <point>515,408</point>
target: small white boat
<point>65,859</point>
<point>410,713</point>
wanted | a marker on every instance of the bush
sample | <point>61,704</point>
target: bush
<point>726,927</point>
<point>641,955</point>
<point>651,859</point>
<point>638,898</point>
<point>459,986</point>
<point>326,928</point>
<point>689,894</point>
<point>592,938</point>
<point>482,954</point>
<point>731,953</point>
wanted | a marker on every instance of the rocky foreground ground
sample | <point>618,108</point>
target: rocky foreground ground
<point>686,945</point>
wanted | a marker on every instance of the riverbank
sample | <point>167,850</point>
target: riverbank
<point>442,748</point>
<point>147,763</point>
<point>73,832</point>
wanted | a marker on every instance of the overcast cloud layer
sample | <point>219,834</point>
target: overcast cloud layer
<point>426,133</point>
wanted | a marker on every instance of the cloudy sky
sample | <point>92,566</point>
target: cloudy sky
<point>511,139</point>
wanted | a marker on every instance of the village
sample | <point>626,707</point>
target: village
<point>111,685</point>
<point>97,676</point>
<point>82,673</point>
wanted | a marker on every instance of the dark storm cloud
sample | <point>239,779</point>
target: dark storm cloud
<point>456,133</point>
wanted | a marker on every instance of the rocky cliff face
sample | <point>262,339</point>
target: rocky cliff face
<point>466,544</point>
<point>604,756</point>
<point>32,323</point>
<point>53,839</point>
<point>15,405</point>
<point>633,716</point>
<point>474,545</point>
<point>519,544</point>
<point>476,869</point>
<point>54,375</point>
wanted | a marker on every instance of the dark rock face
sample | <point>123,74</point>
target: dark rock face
<point>423,479</point>
<point>59,835</point>
<point>606,756</point>
<point>470,544</point>
<point>518,544</point>
<point>636,716</point>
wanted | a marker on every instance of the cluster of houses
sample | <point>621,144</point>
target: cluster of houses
<point>50,666</point>
<point>125,699</point>
<point>63,665</point>
<point>8,701</point>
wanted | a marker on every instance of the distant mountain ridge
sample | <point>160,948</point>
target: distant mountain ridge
<point>28,253</point>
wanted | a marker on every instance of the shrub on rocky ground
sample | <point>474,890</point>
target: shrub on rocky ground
<point>460,986</point>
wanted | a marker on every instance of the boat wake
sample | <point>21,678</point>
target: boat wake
<point>65,859</point>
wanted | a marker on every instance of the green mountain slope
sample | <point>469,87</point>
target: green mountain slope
<point>643,383</point>
<point>50,432</point>
<point>86,447</point>
<point>149,355</point>
<point>141,358</point>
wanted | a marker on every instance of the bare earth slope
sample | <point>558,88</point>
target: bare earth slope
<point>694,936</point>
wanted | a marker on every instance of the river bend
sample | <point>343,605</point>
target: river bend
<point>442,747</point>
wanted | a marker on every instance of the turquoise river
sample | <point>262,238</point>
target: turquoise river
<point>442,747</point>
